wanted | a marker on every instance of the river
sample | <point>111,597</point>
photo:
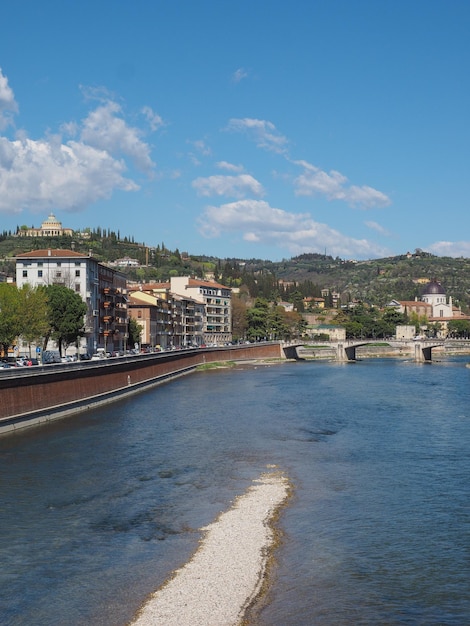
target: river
<point>98,509</point>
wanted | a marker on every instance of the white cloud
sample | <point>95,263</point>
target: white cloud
<point>334,186</point>
<point>313,180</point>
<point>53,173</point>
<point>103,129</point>
<point>201,147</point>
<point>235,186</point>
<point>239,75</point>
<point>42,175</point>
<point>377,227</point>
<point>450,248</point>
<point>8,105</point>
<point>257,221</point>
<point>264,133</point>
<point>230,167</point>
<point>154,120</point>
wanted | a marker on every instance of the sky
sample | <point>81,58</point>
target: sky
<point>240,129</point>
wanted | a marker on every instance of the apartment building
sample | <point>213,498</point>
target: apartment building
<point>167,319</point>
<point>215,314</point>
<point>102,289</point>
<point>200,311</point>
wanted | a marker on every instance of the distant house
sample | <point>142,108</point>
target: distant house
<point>125,262</point>
<point>287,306</point>
<point>51,227</point>
<point>314,303</point>
<point>335,333</point>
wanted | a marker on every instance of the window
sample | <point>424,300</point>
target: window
<point>77,273</point>
<point>39,273</point>
<point>58,274</point>
<point>25,273</point>
<point>77,287</point>
<point>59,263</point>
<point>139,314</point>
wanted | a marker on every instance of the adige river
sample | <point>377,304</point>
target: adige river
<point>97,510</point>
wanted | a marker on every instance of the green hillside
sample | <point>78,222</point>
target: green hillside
<point>375,281</point>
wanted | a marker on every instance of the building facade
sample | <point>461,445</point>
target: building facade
<point>100,287</point>
<point>154,316</point>
<point>433,306</point>
<point>200,312</point>
<point>214,317</point>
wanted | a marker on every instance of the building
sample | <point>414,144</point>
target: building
<point>433,305</point>
<point>419,308</point>
<point>215,316</point>
<point>153,314</point>
<point>112,310</point>
<point>51,227</point>
<point>102,289</point>
<point>125,262</point>
<point>201,311</point>
<point>335,333</point>
<point>179,319</point>
<point>313,303</point>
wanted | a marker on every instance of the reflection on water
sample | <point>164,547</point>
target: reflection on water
<point>97,510</point>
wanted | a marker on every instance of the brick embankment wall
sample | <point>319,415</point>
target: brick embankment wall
<point>35,395</point>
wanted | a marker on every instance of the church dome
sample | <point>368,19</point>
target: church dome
<point>434,288</point>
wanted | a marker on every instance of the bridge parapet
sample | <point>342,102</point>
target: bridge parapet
<point>346,350</point>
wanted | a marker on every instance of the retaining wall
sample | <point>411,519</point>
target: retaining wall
<point>33,395</point>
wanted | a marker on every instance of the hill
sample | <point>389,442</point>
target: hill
<point>375,281</point>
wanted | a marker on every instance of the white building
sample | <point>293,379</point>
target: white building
<point>100,287</point>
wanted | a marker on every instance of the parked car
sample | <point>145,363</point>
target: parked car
<point>51,356</point>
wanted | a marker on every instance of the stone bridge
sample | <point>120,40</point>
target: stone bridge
<point>346,350</point>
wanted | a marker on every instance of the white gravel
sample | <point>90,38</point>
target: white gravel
<point>226,572</point>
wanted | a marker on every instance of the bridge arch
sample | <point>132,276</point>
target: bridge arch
<point>345,351</point>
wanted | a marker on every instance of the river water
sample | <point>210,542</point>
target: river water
<point>98,509</point>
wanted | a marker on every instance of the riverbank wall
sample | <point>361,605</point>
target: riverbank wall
<point>30,396</point>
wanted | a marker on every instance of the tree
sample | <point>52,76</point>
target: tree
<point>297,299</point>
<point>239,321</point>
<point>277,327</point>
<point>434,329</point>
<point>257,319</point>
<point>459,328</point>
<point>392,318</point>
<point>135,332</point>
<point>34,323</point>
<point>9,315</point>
<point>66,315</point>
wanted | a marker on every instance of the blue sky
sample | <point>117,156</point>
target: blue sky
<point>250,129</point>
